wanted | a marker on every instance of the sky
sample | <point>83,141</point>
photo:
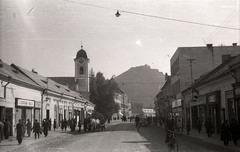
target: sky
<point>46,35</point>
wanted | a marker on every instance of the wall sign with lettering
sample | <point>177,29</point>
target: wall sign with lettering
<point>25,103</point>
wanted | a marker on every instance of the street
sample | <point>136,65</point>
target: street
<point>121,137</point>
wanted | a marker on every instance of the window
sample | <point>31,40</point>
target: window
<point>81,70</point>
<point>2,91</point>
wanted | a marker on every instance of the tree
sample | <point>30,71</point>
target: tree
<point>102,93</point>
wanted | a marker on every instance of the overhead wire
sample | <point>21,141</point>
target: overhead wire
<point>154,16</point>
<point>228,21</point>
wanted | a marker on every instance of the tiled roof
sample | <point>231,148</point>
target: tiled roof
<point>48,83</point>
<point>12,73</point>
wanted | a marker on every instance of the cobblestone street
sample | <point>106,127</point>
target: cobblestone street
<point>118,137</point>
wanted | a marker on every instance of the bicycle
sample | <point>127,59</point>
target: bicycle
<point>138,126</point>
<point>172,141</point>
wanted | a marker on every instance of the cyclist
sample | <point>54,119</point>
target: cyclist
<point>169,125</point>
<point>137,119</point>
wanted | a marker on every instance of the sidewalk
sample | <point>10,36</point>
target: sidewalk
<point>215,139</point>
<point>7,145</point>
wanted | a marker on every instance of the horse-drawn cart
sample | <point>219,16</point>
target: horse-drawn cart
<point>96,122</point>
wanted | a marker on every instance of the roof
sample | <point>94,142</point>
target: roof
<point>10,72</point>
<point>205,48</point>
<point>81,53</point>
<point>48,83</point>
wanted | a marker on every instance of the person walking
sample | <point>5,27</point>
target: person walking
<point>209,127</point>
<point>234,129</point>
<point>65,124</point>
<point>23,127</point>
<point>199,125</point>
<point>19,128</point>
<point>62,124</point>
<point>225,133</point>
<point>1,130</point>
<point>36,128</point>
<point>7,129</point>
<point>54,124</point>
<point>45,127</point>
<point>137,121</point>
<point>50,124</point>
<point>188,127</point>
<point>29,127</point>
<point>79,125</point>
<point>85,125</point>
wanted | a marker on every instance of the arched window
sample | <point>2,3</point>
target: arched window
<point>81,70</point>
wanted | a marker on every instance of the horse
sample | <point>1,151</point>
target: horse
<point>95,124</point>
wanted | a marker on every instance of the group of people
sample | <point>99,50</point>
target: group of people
<point>230,132</point>
<point>21,127</point>
<point>5,129</point>
<point>71,123</point>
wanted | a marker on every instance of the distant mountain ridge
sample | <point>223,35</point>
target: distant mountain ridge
<point>141,84</point>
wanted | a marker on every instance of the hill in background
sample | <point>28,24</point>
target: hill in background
<point>141,84</point>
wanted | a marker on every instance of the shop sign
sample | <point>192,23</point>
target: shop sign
<point>201,100</point>
<point>237,91</point>
<point>37,104</point>
<point>25,103</point>
<point>176,103</point>
<point>229,94</point>
<point>212,98</point>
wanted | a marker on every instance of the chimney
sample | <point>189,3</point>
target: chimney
<point>234,44</point>
<point>209,45</point>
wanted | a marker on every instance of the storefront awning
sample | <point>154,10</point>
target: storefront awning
<point>120,113</point>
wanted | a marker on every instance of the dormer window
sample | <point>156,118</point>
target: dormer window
<point>81,70</point>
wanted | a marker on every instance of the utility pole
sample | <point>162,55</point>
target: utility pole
<point>189,116</point>
<point>190,61</point>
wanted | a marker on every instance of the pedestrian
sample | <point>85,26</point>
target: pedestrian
<point>188,126</point>
<point>79,125</point>
<point>29,127</point>
<point>85,125</point>
<point>234,129</point>
<point>23,127</point>
<point>50,124</point>
<point>62,124</point>
<point>19,131</point>
<point>199,125</point>
<point>65,124</point>
<point>225,133</point>
<point>1,130</point>
<point>137,119</point>
<point>36,128</point>
<point>209,127</point>
<point>45,127</point>
<point>7,129</point>
<point>54,124</point>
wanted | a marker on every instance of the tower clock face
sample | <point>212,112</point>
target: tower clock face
<point>81,60</point>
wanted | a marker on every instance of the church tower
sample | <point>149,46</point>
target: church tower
<point>81,73</point>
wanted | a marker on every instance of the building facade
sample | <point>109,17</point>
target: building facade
<point>213,96</point>
<point>28,95</point>
<point>189,63</point>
